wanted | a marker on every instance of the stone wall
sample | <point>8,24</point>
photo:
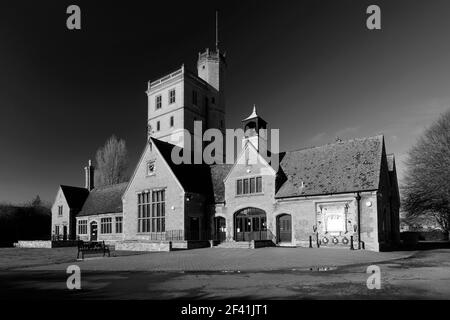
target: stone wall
<point>167,110</point>
<point>108,237</point>
<point>162,178</point>
<point>143,246</point>
<point>33,244</point>
<point>307,217</point>
<point>264,200</point>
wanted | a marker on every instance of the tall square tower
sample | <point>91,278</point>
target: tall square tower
<point>181,97</point>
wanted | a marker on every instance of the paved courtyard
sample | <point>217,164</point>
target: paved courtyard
<point>207,259</point>
<point>268,273</point>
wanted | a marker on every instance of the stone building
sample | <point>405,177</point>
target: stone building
<point>342,195</point>
<point>68,203</point>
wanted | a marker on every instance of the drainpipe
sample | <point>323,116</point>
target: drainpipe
<point>358,198</point>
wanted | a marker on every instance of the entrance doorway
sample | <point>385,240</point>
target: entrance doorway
<point>220,229</point>
<point>65,233</point>
<point>250,224</point>
<point>284,228</point>
<point>194,228</point>
<point>94,231</point>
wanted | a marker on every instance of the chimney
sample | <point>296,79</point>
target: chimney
<point>89,176</point>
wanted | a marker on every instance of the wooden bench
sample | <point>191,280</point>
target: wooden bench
<point>92,247</point>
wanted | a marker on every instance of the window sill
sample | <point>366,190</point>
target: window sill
<point>249,194</point>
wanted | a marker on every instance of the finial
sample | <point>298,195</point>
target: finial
<point>253,115</point>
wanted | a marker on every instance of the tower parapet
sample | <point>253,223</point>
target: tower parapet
<point>211,65</point>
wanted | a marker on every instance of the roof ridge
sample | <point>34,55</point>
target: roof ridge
<point>110,185</point>
<point>67,186</point>
<point>336,143</point>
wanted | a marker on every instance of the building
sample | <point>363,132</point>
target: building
<point>342,195</point>
<point>180,98</point>
<point>68,203</point>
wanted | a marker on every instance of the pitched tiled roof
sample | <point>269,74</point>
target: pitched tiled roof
<point>107,199</point>
<point>347,166</point>
<point>218,174</point>
<point>193,177</point>
<point>75,196</point>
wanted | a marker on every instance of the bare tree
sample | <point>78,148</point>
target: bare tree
<point>427,181</point>
<point>111,162</point>
<point>36,202</point>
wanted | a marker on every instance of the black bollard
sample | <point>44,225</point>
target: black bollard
<point>310,241</point>
<point>351,243</point>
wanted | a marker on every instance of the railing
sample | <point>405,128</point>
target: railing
<point>219,236</point>
<point>172,235</point>
<point>60,237</point>
<point>165,78</point>
<point>255,235</point>
<point>200,235</point>
<point>169,235</point>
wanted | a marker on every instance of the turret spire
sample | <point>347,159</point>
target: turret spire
<point>253,115</point>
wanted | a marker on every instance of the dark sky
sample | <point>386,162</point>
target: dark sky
<point>312,68</point>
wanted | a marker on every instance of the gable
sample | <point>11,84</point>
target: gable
<point>249,159</point>
<point>218,174</point>
<point>74,196</point>
<point>60,199</point>
<point>161,177</point>
<point>191,177</point>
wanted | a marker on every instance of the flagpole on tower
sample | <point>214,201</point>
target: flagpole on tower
<point>217,30</point>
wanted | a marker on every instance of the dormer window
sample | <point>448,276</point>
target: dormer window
<point>150,168</point>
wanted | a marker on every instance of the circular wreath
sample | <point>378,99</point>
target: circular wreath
<point>325,240</point>
<point>344,240</point>
<point>335,240</point>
